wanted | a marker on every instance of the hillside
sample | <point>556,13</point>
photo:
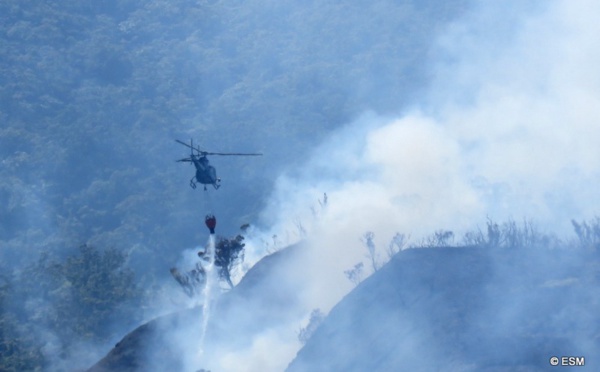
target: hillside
<point>451,309</point>
<point>159,345</point>
<point>463,309</point>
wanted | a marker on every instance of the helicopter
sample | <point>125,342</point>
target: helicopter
<point>206,174</point>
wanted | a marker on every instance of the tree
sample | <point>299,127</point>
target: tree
<point>316,318</point>
<point>355,274</point>
<point>398,243</point>
<point>511,235</point>
<point>588,232</point>
<point>97,287</point>
<point>16,353</point>
<point>440,238</point>
<point>82,295</point>
<point>54,304</point>
<point>229,253</point>
<point>372,255</point>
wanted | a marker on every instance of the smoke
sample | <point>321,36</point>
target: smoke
<point>507,130</point>
<point>270,351</point>
<point>525,116</point>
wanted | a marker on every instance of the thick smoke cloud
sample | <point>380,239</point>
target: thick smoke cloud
<point>509,129</point>
<point>526,113</point>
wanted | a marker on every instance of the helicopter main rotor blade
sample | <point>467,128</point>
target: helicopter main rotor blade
<point>204,153</point>
<point>192,147</point>
<point>228,153</point>
<point>185,144</point>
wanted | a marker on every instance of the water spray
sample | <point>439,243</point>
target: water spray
<point>209,255</point>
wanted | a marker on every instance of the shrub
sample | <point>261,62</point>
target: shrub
<point>588,233</point>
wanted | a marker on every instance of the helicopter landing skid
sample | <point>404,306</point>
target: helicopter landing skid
<point>192,184</point>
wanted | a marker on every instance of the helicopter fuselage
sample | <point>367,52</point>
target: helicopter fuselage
<point>205,173</point>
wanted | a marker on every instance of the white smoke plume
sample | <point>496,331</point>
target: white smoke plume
<point>509,129</point>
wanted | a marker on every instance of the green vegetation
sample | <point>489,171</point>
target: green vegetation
<point>588,233</point>
<point>511,235</point>
<point>315,320</point>
<point>228,256</point>
<point>506,235</point>
<point>80,300</point>
<point>92,95</point>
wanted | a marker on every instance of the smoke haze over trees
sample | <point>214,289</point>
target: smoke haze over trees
<point>413,116</point>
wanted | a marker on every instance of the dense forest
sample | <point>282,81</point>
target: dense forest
<point>93,207</point>
<point>93,96</point>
